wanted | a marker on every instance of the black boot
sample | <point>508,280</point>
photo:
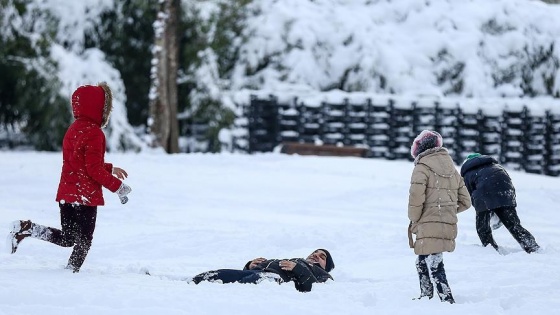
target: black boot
<point>426,286</point>
<point>210,276</point>
<point>435,263</point>
<point>444,293</point>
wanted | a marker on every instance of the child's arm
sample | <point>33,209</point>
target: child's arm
<point>417,193</point>
<point>94,159</point>
<point>108,167</point>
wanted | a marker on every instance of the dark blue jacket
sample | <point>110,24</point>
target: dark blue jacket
<point>303,275</point>
<point>488,183</point>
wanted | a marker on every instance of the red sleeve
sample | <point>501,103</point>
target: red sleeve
<point>94,159</point>
<point>108,167</point>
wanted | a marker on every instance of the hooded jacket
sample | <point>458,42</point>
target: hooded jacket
<point>84,170</point>
<point>488,183</point>
<point>303,275</point>
<point>437,193</point>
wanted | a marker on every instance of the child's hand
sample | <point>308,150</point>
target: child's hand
<point>255,262</point>
<point>120,173</point>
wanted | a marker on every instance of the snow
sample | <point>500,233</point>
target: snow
<point>313,43</point>
<point>379,48</point>
<point>192,213</point>
<point>79,66</point>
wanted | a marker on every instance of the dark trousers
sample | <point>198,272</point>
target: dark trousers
<point>509,218</point>
<point>430,268</point>
<point>78,225</point>
<point>230,276</point>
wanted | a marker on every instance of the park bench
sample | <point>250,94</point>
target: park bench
<point>322,150</point>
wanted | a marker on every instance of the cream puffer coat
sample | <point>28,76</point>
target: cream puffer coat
<point>437,193</point>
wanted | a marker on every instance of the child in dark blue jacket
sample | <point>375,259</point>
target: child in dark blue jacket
<point>492,191</point>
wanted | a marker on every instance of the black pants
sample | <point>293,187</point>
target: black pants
<point>430,268</point>
<point>78,225</point>
<point>233,275</point>
<point>509,218</point>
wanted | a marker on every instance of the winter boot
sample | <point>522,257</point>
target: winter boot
<point>525,239</point>
<point>534,249</point>
<point>72,267</point>
<point>444,292</point>
<point>437,269</point>
<point>20,230</point>
<point>426,286</point>
<point>78,256</point>
<point>205,276</point>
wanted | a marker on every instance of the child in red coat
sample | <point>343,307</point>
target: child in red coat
<point>84,173</point>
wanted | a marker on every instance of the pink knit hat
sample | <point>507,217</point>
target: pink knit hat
<point>427,139</point>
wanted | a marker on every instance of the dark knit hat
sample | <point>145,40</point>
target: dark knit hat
<point>330,263</point>
<point>426,140</point>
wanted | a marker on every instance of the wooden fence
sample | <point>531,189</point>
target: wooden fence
<point>518,139</point>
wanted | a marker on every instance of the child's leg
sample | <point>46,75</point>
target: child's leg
<point>229,276</point>
<point>511,221</point>
<point>64,237</point>
<point>435,263</point>
<point>484,230</point>
<point>86,217</point>
<point>25,228</point>
<point>426,287</point>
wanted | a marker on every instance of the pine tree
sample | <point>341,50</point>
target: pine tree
<point>30,100</point>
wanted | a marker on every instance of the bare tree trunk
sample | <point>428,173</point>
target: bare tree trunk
<point>163,123</point>
<point>172,35</point>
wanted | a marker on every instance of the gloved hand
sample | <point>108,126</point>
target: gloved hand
<point>122,192</point>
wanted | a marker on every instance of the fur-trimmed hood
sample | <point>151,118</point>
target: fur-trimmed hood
<point>426,140</point>
<point>93,102</point>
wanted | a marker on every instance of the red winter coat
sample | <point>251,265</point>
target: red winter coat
<point>84,170</point>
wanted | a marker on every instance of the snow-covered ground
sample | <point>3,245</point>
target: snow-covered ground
<point>192,213</point>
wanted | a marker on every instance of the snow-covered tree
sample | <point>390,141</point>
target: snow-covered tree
<point>479,48</point>
<point>125,34</point>
<point>30,102</point>
<point>209,52</point>
<point>78,65</point>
